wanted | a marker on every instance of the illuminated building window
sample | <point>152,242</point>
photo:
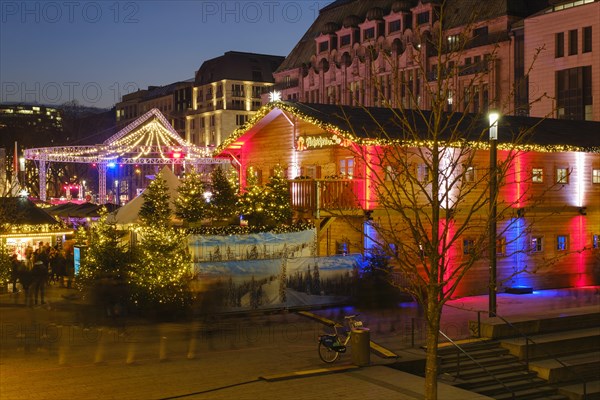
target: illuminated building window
<point>469,174</point>
<point>501,246</point>
<point>596,242</point>
<point>424,173</point>
<point>347,167</point>
<point>390,173</point>
<point>561,242</point>
<point>468,246</point>
<point>537,244</point>
<point>596,175</point>
<point>537,175</point>
<point>341,248</point>
<point>562,175</point>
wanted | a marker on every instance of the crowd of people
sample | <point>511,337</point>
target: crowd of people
<point>42,266</point>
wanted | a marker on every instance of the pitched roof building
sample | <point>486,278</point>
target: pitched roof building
<point>373,54</point>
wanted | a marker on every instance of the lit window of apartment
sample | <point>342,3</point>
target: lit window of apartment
<point>561,243</point>
<point>573,42</point>
<point>537,175</point>
<point>537,244</point>
<point>394,26</point>
<point>595,242</point>
<point>596,175</point>
<point>559,45</point>
<point>586,36</point>
<point>453,42</point>
<point>562,175</point>
<point>390,173</point>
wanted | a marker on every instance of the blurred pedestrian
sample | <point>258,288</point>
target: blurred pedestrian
<point>40,277</point>
<point>15,265</point>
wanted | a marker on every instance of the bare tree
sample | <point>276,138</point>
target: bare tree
<point>432,215</point>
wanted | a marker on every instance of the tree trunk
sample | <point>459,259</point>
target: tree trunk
<point>431,362</point>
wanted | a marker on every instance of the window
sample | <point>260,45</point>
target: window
<point>241,119</point>
<point>537,244</point>
<point>470,174</point>
<point>537,175</point>
<point>312,171</point>
<point>562,175</point>
<point>423,18</point>
<point>595,242</point>
<point>559,45</point>
<point>347,167</point>
<point>345,40</point>
<point>480,36</point>
<point>573,42</point>
<point>501,246</point>
<point>323,46</point>
<point>453,42</point>
<point>368,33</point>
<point>561,243</point>
<point>390,173</point>
<point>595,175</point>
<point>424,173</point>
<point>468,246</point>
<point>341,248</point>
<point>586,36</point>
<point>574,93</point>
<point>394,26</point>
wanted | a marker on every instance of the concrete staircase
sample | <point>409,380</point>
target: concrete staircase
<point>562,350</point>
<point>489,369</point>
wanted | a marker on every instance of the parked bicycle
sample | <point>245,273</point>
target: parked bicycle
<point>332,345</point>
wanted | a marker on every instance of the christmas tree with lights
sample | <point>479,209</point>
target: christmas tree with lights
<point>190,205</point>
<point>277,198</point>
<point>161,276</point>
<point>224,195</point>
<point>251,203</point>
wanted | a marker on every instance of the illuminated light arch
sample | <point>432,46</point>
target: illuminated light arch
<point>149,140</point>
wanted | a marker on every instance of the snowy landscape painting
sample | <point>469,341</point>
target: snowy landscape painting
<point>280,283</point>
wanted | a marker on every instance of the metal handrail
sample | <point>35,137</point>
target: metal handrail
<point>509,390</point>
<point>527,339</point>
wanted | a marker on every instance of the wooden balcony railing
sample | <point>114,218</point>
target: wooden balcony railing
<point>326,194</point>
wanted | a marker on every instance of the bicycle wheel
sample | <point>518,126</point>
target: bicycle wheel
<point>326,354</point>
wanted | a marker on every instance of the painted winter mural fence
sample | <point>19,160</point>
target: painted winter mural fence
<point>242,272</point>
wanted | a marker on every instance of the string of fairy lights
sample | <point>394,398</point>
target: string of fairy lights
<point>145,138</point>
<point>293,110</point>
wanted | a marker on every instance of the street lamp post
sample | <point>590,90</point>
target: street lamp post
<point>493,118</point>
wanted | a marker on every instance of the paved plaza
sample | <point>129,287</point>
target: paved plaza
<point>62,351</point>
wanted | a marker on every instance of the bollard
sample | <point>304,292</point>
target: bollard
<point>361,346</point>
<point>130,360</point>
<point>162,352</point>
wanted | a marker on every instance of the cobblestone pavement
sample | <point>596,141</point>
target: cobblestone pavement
<point>60,351</point>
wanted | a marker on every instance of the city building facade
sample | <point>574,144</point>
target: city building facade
<point>567,71</point>
<point>171,100</point>
<point>227,92</point>
<point>384,54</point>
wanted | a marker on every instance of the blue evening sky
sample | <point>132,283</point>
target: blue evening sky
<point>96,51</point>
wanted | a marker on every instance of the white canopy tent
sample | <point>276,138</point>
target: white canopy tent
<point>129,213</point>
